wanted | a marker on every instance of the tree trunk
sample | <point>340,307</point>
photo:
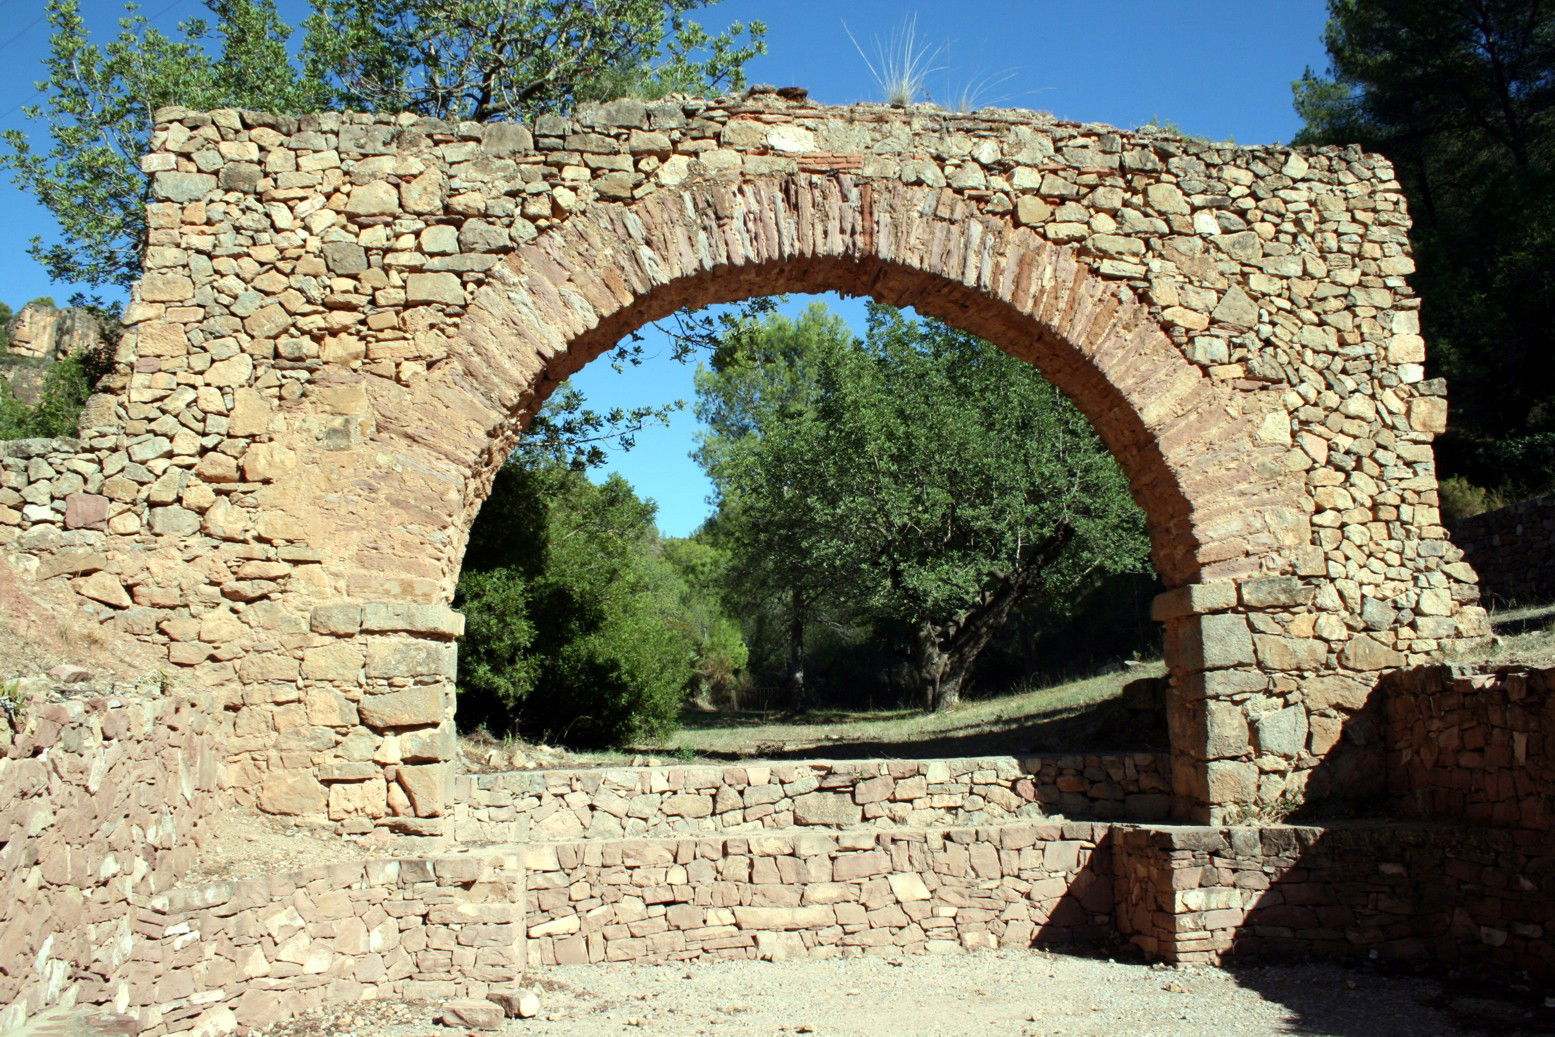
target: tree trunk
<point>944,654</point>
<point>797,696</point>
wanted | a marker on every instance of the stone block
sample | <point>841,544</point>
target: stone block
<point>86,511</point>
<point>1364,652</point>
<point>434,620</point>
<point>824,808</point>
<point>1216,641</point>
<point>341,620</point>
<point>1227,730</point>
<point>1274,592</point>
<point>1194,599</point>
<point>1282,732</point>
<point>515,1002</point>
<point>341,663</point>
<point>423,706</point>
<point>291,792</point>
<point>406,657</point>
<point>429,788</point>
<point>442,288</point>
<point>103,587</point>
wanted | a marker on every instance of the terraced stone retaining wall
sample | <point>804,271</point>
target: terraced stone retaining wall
<point>818,894</point>
<point>1476,747</point>
<point>659,801</point>
<point>213,957</point>
<point>1513,550</point>
<point>101,800</point>
<point>1452,895</point>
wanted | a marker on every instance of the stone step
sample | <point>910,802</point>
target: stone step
<point>746,798</point>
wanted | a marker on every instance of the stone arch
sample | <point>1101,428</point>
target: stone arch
<point>344,320</point>
<point>1191,449</point>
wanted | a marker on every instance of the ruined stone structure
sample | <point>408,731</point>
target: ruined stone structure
<point>1512,549</point>
<point>346,320</point>
<point>104,800</point>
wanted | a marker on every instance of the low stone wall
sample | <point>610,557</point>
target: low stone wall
<point>1472,897</point>
<point>818,894</point>
<point>100,799</point>
<point>223,955</point>
<point>661,801</point>
<point>1512,549</point>
<point>1473,747</point>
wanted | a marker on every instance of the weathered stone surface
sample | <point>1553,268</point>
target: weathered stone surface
<point>470,1014</point>
<point>413,707</point>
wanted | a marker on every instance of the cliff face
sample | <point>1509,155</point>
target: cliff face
<point>38,337</point>
<point>51,334</point>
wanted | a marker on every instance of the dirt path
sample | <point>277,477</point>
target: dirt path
<point>990,993</point>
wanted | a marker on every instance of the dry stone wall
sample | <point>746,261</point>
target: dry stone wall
<point>101,799</point>
<point>1513,550</point>
<point>345,320</point>
<point>1477,747</point>
<point>818,894</point>
<point>516,806</point>
<point>1462,896</point>
<point>216,957</point>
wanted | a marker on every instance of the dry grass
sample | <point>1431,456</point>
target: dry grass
<point>975,726</point>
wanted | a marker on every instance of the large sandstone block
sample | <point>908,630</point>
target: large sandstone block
<point>422,706</point>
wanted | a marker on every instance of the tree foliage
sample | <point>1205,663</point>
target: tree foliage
<point>1460,95</point>
<point>98,105</point>
<point>57,412</point>
<point>921,479</point>
<point>455,59</point>
<point>580,625</point>
<point>516,59</point>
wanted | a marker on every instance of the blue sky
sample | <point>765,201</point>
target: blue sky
<point>1216,68</point>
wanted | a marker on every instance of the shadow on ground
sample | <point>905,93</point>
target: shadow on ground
<point>1111,725</point>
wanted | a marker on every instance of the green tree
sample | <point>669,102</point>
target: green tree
<point>515,59</point>
<point>921,478</point>
<point>571,634</point>
<point>57,412</point>
<point>97,109</point>
<point>1460,95</point>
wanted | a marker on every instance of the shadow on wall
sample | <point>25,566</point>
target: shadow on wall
<point>1427,842</point>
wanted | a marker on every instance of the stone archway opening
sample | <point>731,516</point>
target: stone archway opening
<point>1027,653</point>
<point>1194,460</point>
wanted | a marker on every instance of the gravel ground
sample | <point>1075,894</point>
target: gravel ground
<point>990,993</point>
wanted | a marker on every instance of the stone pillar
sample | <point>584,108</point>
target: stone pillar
<point>372,742</point>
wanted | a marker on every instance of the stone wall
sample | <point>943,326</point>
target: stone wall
<point>1469,897</point>
<point>345,320</point>
<point>818,894</point>
<point>214,957</point>
<point>1476,747</point>
<point>548,805</point>
<point>1513,550</point>
<point>101,800</point>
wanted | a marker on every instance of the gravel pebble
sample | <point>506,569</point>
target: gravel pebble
<point>989,993</point>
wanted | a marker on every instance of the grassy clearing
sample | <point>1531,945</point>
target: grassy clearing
<point>1524,635</point>
<point>1031,719</point>
<point>1079,715</point>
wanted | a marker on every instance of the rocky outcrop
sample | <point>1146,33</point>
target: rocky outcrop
<point>49,333</point>
<point>38,337</point>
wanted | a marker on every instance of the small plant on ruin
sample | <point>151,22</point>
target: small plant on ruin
<point>902,62</point>
<point>13,699</point>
